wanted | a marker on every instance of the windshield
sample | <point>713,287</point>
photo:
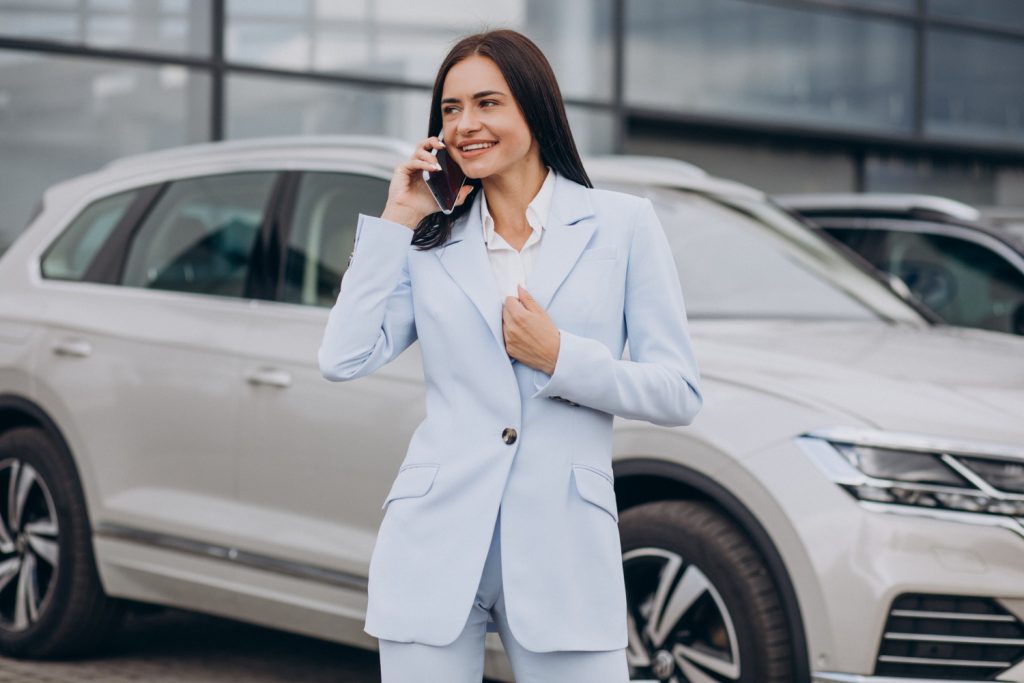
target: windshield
<point>745,258</point>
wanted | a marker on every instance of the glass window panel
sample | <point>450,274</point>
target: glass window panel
<point>63,116</point>
<point>1003,13</point>
<point>200,236</point>
<point>406,41</point>
<point>765,61</point>
<point>260,106</point>
<point>975,86</point>
<point>323,232</point>
<point>69,257</point>
<point>172,26</point>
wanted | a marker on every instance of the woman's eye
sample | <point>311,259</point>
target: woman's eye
<point>449,110</point>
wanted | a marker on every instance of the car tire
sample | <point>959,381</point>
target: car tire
<point>702,604</point>
<point>48,609</point>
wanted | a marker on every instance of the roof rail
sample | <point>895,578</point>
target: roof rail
<point>366,142</point>
<point>879,201</point>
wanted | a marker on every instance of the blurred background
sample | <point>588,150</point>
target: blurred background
<point>786,95</point>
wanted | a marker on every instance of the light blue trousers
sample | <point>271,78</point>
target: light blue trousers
<point>462,661</point>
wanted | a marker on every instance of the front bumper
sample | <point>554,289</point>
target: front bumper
<point>864,556</point>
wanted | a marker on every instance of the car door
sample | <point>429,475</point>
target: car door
<point>147,307</point>
<point>316,457</point>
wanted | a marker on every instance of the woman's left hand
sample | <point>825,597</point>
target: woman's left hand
<point>530,335</point>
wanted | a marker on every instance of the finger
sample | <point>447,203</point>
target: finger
<point>529,303</point>
<point>417,165</point>
<point>431,143</point>
<point>424,155</point>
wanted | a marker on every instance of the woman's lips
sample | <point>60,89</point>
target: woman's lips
<point>477,152</point>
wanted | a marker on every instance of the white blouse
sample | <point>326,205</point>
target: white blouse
<point>513,267</point>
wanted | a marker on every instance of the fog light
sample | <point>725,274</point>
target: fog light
<point>1013,508</point>
<point>913,497</point>
<point>960,501</point>
<point>874,494</point>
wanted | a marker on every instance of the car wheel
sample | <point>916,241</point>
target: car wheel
<point>702,607</point>
<point>51,602</point>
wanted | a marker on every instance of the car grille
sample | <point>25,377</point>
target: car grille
<point>949,637</point>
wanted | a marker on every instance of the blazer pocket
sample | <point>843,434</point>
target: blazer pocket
<point>599,253</point>
<point>412,481</point>
<point>596,487</point>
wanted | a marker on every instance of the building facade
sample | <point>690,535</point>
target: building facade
<point>787,95</point>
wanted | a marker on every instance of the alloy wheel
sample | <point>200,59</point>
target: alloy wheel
<point>28,545</point>
<point>680,630</point>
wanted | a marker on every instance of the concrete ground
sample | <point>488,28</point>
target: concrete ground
<point>171,646</point>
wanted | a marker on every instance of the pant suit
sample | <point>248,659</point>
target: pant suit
<point>500,434</point>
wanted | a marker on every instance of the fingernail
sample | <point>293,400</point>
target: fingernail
<point>437,167</point>
<point>441,143</point>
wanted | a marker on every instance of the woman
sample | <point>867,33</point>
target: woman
<point>504,508</point>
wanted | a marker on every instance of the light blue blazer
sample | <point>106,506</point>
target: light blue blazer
<point>604,274</point>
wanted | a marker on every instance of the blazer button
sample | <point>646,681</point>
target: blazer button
<point>508,435</point>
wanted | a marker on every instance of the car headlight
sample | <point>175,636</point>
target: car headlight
<point>905,469</point>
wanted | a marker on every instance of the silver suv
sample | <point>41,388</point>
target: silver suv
<point>849,506</point>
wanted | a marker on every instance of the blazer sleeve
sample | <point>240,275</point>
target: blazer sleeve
<point>371,322</point>
<point>660,383</point>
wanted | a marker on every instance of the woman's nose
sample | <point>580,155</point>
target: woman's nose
<point>466,123</point>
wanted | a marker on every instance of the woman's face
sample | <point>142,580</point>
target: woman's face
<point>477,107</point>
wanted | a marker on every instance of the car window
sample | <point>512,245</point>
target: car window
<point>741,257</point>
<point>200,236</point>
<point>68,258</point>
<point>966,283</point>
<point>323,231</point>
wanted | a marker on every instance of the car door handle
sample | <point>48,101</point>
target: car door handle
<point>78,348</point>
<point>271,377</point>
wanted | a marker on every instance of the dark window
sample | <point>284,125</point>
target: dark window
<point>200,236</point>
<point>323,231</point>
<point>966,283</point>
<point>70,255</point>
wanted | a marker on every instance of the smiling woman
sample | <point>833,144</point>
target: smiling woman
<point>503,493</point>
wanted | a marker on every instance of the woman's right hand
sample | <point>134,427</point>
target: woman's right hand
<point>409,198</point>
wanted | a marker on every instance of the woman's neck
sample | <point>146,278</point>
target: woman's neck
<point>509,193</point>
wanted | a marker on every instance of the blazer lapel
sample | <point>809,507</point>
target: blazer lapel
<point>464,256</point>
<point>570,225</point>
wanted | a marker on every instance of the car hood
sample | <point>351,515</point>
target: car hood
<point>942,381</point>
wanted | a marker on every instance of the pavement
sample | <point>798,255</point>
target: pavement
<point>171,646</point>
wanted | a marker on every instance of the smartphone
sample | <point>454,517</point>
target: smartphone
<point>446,183</point>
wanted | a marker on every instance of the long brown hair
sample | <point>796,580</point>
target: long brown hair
<point>535,90</point>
